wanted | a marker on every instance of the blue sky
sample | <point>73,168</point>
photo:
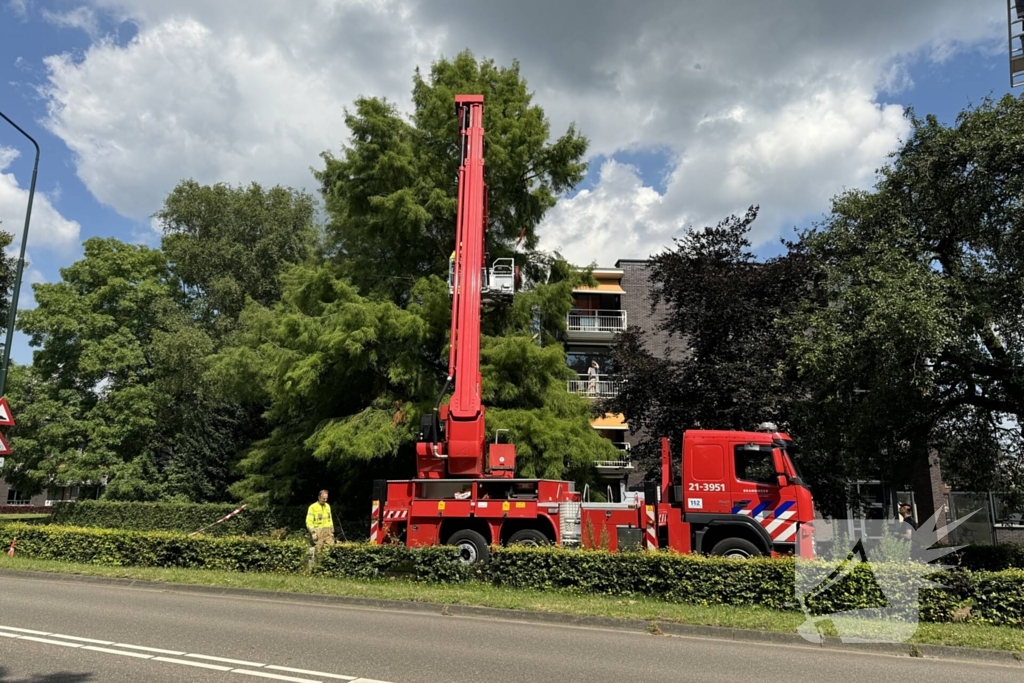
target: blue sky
<point>943,89</point>
<point>126,57</point>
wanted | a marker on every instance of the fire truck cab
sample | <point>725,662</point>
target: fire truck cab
<point>729,493</point>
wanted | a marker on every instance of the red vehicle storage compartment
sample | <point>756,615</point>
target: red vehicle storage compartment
<point>600,523</point>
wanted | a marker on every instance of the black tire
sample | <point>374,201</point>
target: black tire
<point>739,548</point>
<point>528,537</point>
<point>472,547</point>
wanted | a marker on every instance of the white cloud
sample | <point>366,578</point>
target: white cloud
<point>82,18</point>
<point>19,7</point>
<point>790,162</point>
<point>619,218</point>
<point>195,99</point>
<point>777,103</point>
<point>49,230</point>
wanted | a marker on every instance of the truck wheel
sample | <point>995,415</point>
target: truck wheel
<point>739,548</point>
<point>528,537</point>
<point>472,546</point>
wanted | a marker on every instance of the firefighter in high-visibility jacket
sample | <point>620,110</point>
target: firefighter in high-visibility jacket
<point>319,522</point>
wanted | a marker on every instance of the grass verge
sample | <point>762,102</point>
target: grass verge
<point>23,516</point>
<point>561,602</point>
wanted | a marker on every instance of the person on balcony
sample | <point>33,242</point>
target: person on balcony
<point>592,374</point>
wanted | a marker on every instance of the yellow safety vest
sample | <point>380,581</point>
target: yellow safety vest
<point>319,516</point>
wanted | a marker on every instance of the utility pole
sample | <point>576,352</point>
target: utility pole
<point>13,311</point>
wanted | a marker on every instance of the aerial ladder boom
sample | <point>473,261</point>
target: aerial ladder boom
<point>452,440</point>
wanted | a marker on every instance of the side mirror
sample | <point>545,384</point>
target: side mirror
<point>782,480</point>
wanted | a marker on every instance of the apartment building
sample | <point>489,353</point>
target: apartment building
<point>622,298</point>
<point>596,318</point>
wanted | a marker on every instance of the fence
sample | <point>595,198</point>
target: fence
<point>596,386</point>
<point>596,321</point>
<point>994,518</point>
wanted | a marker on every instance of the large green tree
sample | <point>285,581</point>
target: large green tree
<point>229,244</point>
<point>347,378</point>
<point>914,341</point>
<point>722,307</point>
<point>116,393</point>
<point>90,410</point>
<point>8,269</point>
<point>392,193</point>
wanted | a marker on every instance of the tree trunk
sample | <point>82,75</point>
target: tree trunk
<point>929,494</point>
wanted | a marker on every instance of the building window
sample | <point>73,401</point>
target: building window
<point>15,498</point>
<point>580,359</point>
<point>756,464</point>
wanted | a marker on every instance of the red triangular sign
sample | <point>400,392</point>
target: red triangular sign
<point>5,448</point>
<point>6,416</point>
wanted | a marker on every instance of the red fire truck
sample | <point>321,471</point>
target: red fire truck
<point>728,493</point>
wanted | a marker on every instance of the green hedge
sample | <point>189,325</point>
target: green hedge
<point>990,558</point>
<point>153,549</point>
<point>189,517</point>
<point>232,553</point>
<point>981,597</point>
<point>998,598</point>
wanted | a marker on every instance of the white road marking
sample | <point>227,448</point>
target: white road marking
<point>84,640</point>
<point>225,660</point>
<point>279,677</point>
<point>77,642</point>
<point>148,649</point>
<point>25,630</point>
<point>117,652</point>
<point>51,642</point>
<point>311,673</point>
<point>186,662</point>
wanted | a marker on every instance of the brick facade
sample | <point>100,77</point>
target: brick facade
<point>636,282</point>
<point>637,302</point>
<point>1007,535</point>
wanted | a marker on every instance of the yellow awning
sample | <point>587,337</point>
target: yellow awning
<point>610,287</point>
<point>610,421</point>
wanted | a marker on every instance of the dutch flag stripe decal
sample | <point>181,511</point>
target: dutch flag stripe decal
<point>740,506</point>
<point>760,508</point>
<point>783,507</point>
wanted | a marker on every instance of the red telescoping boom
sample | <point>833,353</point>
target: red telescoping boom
<point>455,434</point>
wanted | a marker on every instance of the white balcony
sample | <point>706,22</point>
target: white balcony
<point>615,469</point>
<point>601,325</point>
<point>596,386</point>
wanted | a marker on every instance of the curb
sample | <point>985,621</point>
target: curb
<point>921,650</point>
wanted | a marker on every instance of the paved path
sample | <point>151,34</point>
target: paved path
<point>95,632</point>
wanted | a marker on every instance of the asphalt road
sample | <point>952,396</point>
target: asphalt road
<point>89,632</point>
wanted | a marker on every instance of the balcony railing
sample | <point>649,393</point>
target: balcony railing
<point>624,463</point>
<point>596,321</point>
<point>594,386</point>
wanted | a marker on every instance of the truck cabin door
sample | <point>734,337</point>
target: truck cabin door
<point>755,486</point>
<point>705,477</point>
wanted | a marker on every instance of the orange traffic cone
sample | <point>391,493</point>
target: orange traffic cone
<point>10,551</point>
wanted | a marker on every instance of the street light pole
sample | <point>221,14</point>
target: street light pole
<point>13,311</point>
